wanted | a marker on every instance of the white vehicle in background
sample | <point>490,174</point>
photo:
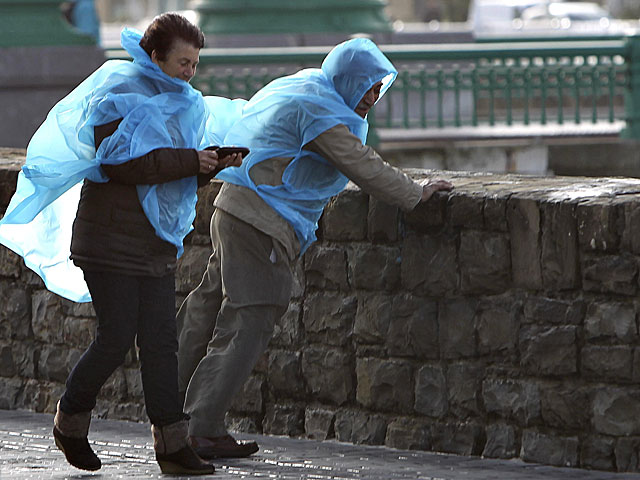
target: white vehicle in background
<point>487,17</point>
<point>542,18</point>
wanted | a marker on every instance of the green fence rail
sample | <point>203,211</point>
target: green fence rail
<point>463,86</point>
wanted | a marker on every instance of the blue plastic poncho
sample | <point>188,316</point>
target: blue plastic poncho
<point>157,111</point>
<point>289,113</point>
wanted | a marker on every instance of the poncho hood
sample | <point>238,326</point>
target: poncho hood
<point>353,67</point>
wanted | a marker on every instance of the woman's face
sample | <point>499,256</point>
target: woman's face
<point>181,60</point>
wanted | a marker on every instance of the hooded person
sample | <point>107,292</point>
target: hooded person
<point>307,134</point>
<point>103,203</point>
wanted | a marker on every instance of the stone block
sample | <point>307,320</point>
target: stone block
<point>431,392</point>
<point>498,327</point>
<point>191,266</point>
<point>287,331</point>
<point>10,263</point>
<point>495,212</point>
<point>549,449</point>
<point>115,388</point>
<point>545,310</point>
<point>299,280</point>
<point>610,274</point>
<point>627,454</point>
<point>132,411</point>
<point>565,406</point>
<point>249,398</point>
<point>15,314</point>
<point>374,267</point>
<point>326,268</point>
<point>523,217</point>
<point>84,310</point>
<point>36,396</point>
<point>133,381</point>
<point>616,411</point>
<point>559,246</point>
<point>429,216</point>
<point>30,278</point>
<point>7,365</point>
<point>408,434</point>
<point>204,207</point>
<point>501,441</point>
<point>47,317</point>
<point>329,317</point>
<point>373,318</point>
<point>385,385</point>
<point>285,375</point>
<point>19,358</point>
<point>10,388</point>
<point>242,424</point>
<point>635,374</point>
<point>611,320</point>
<point>328,374</point>
<point>457,335</point>
<point>429,265</point>
<point>319,423</point>
<point>485,265</point>
<point>512,400</point>
<point>283,419</point>
<point>55,363</point>
<point>382,222</point>
<point>607,363</point>
<point>8,181</point>
<point>78,332</point>
<point>413,330</point>
<point>598,453</point>
<point>630,241</point>
<point>466,209</point>
<point>360,427</point>
<point>458,438</point>
<point>598,225</point>
<point>549,350</point>
<point>345,216</point>
<point>464,382</point>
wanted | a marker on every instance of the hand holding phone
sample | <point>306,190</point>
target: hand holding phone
<point>230,150</point>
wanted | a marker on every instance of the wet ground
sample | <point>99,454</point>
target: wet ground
<point>27,451</point>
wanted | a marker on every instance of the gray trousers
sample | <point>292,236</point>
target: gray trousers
<point>225,323</point>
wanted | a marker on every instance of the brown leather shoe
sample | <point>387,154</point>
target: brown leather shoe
<point>222,447</point>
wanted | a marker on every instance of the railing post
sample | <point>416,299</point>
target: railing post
<point>632,93</point>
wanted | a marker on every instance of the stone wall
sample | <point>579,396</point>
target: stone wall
<point>500,320</point>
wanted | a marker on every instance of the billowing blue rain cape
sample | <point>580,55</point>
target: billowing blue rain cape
<point>157,111</point>
<point>290,112</point>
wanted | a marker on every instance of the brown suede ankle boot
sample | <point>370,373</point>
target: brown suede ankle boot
<point>70,433</point>
<point>173,452</point>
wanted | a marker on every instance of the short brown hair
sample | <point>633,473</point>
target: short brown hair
<point>164,29</point>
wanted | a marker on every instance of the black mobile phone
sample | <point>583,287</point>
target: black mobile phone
<point>230,150</point>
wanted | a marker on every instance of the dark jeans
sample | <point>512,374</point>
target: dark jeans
<point>127,306</point>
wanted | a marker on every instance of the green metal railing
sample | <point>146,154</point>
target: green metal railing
<point>467,85</point>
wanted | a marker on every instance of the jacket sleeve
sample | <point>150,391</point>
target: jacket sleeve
<point>158,166</point>
<point>366,168</point>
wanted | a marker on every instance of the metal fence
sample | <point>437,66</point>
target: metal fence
<point>465,86</point>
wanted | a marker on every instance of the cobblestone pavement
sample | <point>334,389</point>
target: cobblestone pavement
<point>27,451</point>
